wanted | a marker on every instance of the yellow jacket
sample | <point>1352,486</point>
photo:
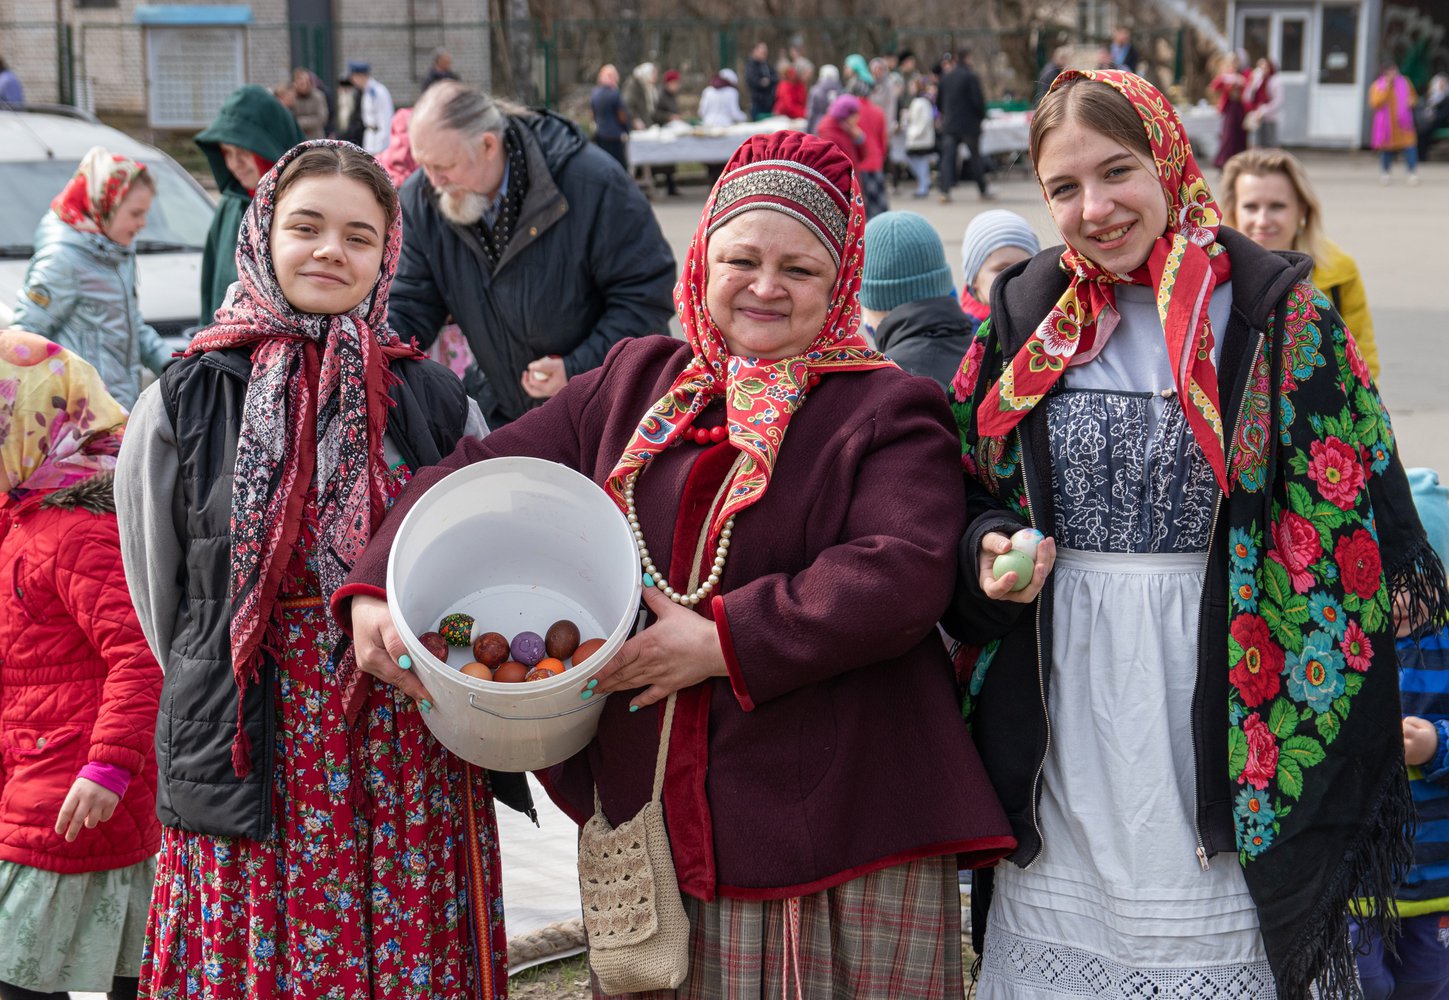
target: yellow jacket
<point>1336,275</point>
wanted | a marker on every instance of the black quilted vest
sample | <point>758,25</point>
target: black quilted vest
<point>198,789</point>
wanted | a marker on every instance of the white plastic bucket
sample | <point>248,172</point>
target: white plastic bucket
<point>518,543</point>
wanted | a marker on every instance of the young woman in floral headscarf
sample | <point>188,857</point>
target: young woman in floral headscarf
<point>80,288</point>
<point>1190,721</point>
<point>78,690</point>
<point>318,841</point>
<point>796,539</point>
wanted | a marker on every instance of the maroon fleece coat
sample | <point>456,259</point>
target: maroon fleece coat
<point>835,747</point>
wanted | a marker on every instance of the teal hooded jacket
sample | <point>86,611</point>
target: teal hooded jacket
<point>254,120</point>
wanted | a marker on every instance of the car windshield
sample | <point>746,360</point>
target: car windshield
<point>178,220</point>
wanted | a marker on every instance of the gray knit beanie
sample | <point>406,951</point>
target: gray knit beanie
<point>988,233</point>
<point>904,262</point>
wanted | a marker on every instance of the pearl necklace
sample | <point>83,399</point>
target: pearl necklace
<point>720,552</point>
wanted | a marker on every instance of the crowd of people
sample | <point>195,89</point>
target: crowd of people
<point>1166,735</point>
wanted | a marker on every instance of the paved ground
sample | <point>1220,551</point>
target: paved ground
<point>1396,233</point>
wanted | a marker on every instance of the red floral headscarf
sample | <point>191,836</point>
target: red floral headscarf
<point>810,180</point>
<point>89,200</point>
<point>1184,266</point>
<point>314,415</point>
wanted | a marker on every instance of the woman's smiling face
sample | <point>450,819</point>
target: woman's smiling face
<point>768,285</point>
<point>328,235</point>
<point>1106,199</point>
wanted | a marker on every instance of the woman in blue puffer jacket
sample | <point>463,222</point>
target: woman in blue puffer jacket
<point>80,290</point>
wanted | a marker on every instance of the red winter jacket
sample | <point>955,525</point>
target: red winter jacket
<point>877,141</point>
<point>78,684</point>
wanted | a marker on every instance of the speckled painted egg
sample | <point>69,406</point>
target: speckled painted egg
<point>528,648</point>
<point>1026,540</point>
<point>490,648</point>
<point>561,639</point>
<point>456,629</point>
<point>435,644</point>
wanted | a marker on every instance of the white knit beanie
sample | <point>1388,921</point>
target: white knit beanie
<point>989,232</point>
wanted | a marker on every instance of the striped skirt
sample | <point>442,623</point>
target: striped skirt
<point>892,933</point>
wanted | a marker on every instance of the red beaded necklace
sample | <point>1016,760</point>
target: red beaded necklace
<point>702,435</point>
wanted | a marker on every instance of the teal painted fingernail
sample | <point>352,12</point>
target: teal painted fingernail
<point>405,661</point>
<point>648,580</point>
<point>633,708</point>
<point>425,705</point>
<point>586,695</point>
<point>592,684</point>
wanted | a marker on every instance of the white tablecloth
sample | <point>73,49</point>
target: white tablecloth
<point>680,142</point>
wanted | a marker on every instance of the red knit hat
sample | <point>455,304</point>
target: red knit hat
<point>801,175</point>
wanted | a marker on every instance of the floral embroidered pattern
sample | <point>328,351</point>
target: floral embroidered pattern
<point>1305,599</point>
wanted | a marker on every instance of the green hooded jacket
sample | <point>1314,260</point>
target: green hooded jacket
<point>252,119</point>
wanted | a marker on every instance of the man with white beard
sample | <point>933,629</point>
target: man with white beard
<point>542,250</point>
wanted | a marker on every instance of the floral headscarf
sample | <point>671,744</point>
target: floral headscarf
<point>314,414</point>
<point>58,425</point>
<point>89,200</point>
<point>810,180</point>
<point>397,159</point>
<point>1184,266</point>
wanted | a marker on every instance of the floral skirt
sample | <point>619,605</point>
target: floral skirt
<point>72,932</point>
<point>391,890</point>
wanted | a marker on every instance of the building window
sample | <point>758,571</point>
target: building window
<point>1257,35</point>
<point>94,4</point>
<point>1290,44</point>
<point>1339,50</point>
<point>191,72</point>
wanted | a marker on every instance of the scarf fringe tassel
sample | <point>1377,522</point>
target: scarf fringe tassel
<point>1365,885</point>
<point>1420,577</point>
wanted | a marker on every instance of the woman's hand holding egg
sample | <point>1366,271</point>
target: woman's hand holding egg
<point>1015,569</point>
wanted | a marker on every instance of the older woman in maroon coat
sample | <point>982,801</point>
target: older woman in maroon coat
<point>819,771</point>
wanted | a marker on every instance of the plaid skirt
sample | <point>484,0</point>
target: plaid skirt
<point>892,933</point>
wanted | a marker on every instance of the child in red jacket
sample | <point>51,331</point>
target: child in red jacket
<point>79,690</point>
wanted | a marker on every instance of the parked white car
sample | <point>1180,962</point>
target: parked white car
<point>40,148</point>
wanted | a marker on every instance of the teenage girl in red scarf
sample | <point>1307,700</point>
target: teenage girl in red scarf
<point>1189,709</point>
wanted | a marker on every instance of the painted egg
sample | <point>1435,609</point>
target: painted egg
<point>490,648</point>
<point>479,670</point>
<point>528,648</point>
<point>457,629</point>
<point>550,663</point>
<point>435,644</point>
<point>511,672</point>
<point>1026,540</point>
<point>1014,561</point>
<point>586,649</point>
<point>562,639</point>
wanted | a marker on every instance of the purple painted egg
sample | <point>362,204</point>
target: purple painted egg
<point>528,648</point>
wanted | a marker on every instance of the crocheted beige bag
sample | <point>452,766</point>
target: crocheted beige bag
<point>638,932</point>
